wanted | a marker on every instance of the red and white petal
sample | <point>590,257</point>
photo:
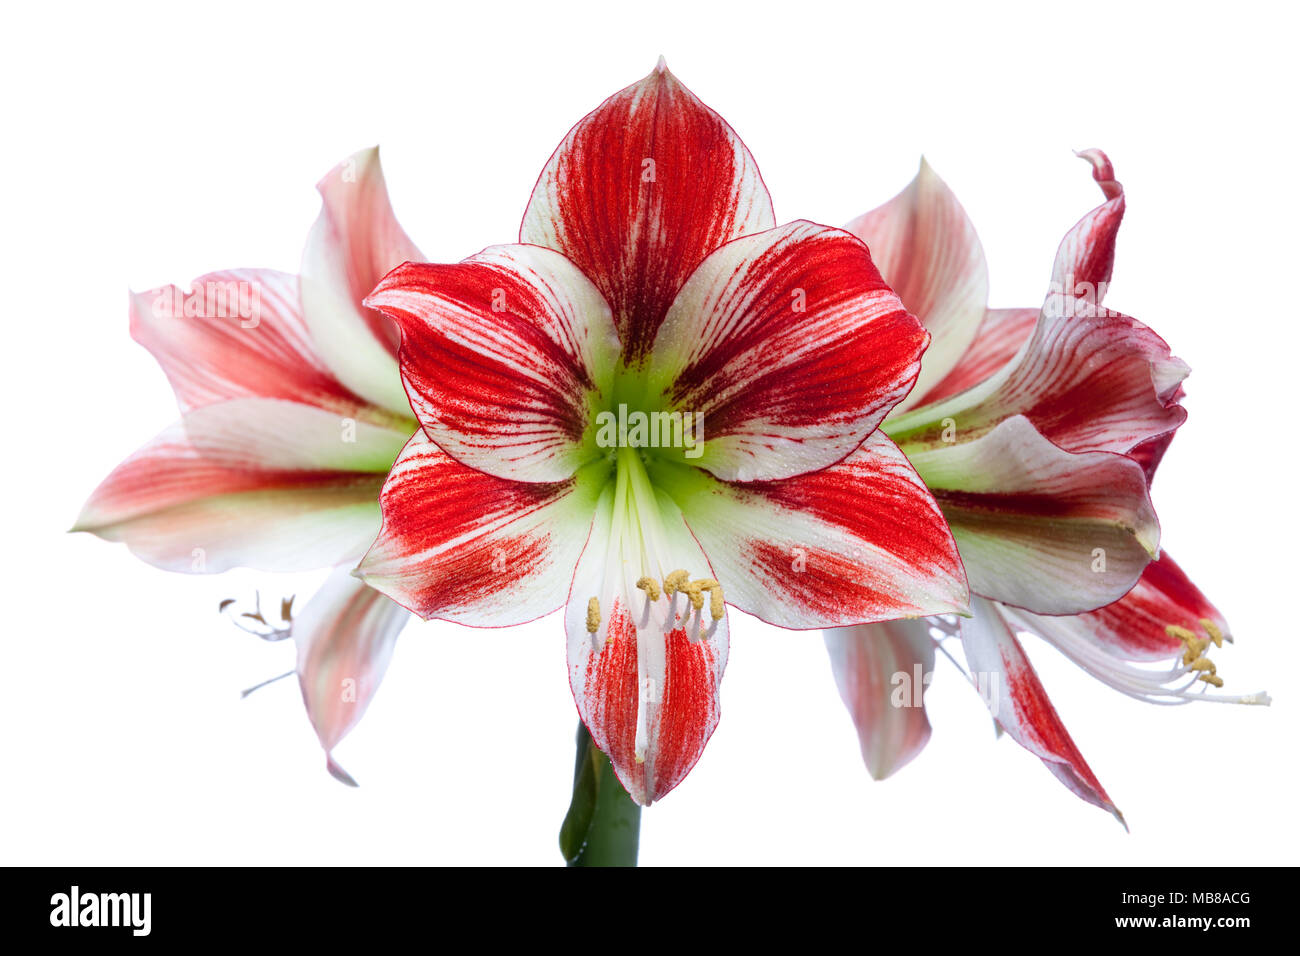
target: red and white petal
<point>644,674</point>
<point>235,334</point>
<point>1150,453</point>
<point>181,511</point>
<point>1086,256</point>
<point>1039,527</point>
<point>925,246</point>
<point>1088,379</point>
<point>461,545</point>
<point>1134,628</point>
<point>997,342</point>
<point>355,241</point>
<point>270,434</point>
<point>861,541</point>
<point>1016,698</point>
<point>344,637</point>
<point>1150,644</point>
<point>882,672</point>
<point>792,348</point>
<point>505,357</point>
<point>639,192</point>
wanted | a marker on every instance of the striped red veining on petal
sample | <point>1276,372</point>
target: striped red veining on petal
<point>612,687</point>
<point>682,713</point>
<point>236,334</point>
<point>457,540</point>
<point>688,712</point>
<point>641,190</point>
<point>871,503</point>
<point>831,586</point>
<point>462,384</point>
<point>1038,719</point>
<point>807,331</point>
<point>1164,595</point>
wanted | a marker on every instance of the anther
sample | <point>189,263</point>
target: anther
<point>593,615</point>
<point>1194,658</point>
<point>695,593</point>
<point>675,581</point>
<point>716,609</point>
<point>1212,629</point>
<point>650,586</point>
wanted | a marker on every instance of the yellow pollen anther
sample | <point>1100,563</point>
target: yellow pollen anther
<point>675,581</point>
<point>650,586</point>
<point>696,590</point>
<point>1212,629</point>
<point>593,615</point>
<point>1194,658</point>
<point>695,593</point>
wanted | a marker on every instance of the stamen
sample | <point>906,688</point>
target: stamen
<point>262,627</point>
<point>593,615</point>
<point>1187,677</point>
<point>1195,661</point>
<point>676,581</point>
<point>696,591</point>
<point>272,680</point>
<point>650,586</point>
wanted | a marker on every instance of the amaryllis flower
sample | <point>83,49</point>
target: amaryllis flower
<point>1038,431</point>
<point>656,404</point>
<point>292,412</point>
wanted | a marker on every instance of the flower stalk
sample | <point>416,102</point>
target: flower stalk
<point>603,825</point>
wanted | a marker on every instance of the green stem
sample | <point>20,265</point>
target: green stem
<point>603,825</point>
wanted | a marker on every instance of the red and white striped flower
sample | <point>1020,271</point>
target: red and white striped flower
<point>292,412</point>
<point>659,402</point>
<point>1038,431</point>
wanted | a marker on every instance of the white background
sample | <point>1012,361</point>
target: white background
<point>152,146</point>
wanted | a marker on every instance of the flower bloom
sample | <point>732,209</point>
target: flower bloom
<point>292,412</point>
<point>658,403</point>
<point>1038,431</point>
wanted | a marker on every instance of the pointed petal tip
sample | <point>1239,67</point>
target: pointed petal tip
<point>362,157</point>
<point>882,772</point>
<point>661,66</point>
<point>338,773</point>
<point>1103,171</point>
